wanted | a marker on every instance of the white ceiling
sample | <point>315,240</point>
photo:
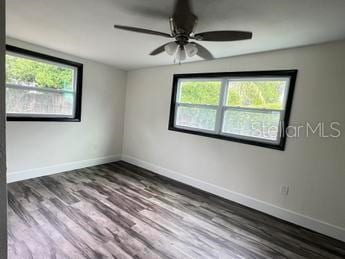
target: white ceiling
<point>85,27</point>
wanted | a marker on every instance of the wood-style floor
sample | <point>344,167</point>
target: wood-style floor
<point>122,211</point>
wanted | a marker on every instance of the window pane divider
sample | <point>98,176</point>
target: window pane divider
<point>32,88</point>
<point>205,106</point>
<point>41,115</point>
<point>220,110</point>
<point>238,108</point>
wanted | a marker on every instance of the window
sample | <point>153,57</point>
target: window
<point>41,87</point>
<point>247,107</point>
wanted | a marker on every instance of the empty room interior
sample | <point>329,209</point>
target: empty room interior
<point>172,129</point>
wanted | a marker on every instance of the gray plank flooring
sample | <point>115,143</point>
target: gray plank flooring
<point>119,210</point>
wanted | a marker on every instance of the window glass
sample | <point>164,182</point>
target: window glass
<point>41,87</point>
<point>33,73</point>
<point>194,117</point>
<point>22,101</point>
<point>262,94</point>
<point>257,124</point>
<point>248,107</point>
<point>200,92</point>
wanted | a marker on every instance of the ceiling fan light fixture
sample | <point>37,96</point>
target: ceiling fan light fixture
<point>191,49</point>
<point>180,55</point>
<point>171,48</point>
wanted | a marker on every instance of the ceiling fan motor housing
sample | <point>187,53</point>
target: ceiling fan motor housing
<point>183,24</point>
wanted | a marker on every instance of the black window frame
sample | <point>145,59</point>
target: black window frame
<point>78,89</point>
<point>291,74</point>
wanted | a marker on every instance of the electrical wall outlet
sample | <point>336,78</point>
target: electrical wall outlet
<point>284,190</point>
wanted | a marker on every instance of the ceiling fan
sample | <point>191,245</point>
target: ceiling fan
<point>182,25</point>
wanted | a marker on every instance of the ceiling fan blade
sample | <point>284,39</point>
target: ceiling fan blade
<point>223,35</point>
<point>203,52</point>
<point>159,50</point>
<point>140,30</point>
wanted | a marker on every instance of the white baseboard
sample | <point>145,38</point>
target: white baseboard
<point>37,172</point>
<point>288,215</point>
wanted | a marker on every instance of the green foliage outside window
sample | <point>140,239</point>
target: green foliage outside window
<point>249,94</point>
<point>33,73</point>
<point>200,92</point>
<point>256,94</point>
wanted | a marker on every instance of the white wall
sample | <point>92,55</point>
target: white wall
<point>38,148</point>
<point>314,168</point>
<point>3,189</point>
